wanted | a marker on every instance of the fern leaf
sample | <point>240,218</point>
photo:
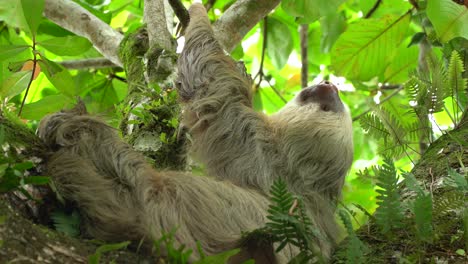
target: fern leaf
<point>423,216</point>
<point>355,248</point>
<point>392,124</point>
<point>453,201</point>
<point>439,88</point>
<point>372,125</point>
<point>456,180</point>
<point>389,214</point>
<point>456,82</point>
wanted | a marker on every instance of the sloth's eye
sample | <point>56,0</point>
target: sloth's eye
<point>325,108</point>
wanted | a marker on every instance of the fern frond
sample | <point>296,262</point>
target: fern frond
<point>423,216</point>
<point>392,125</point>
<point>439,88</point>
<point>456,180</point>
<point>355,248</point>
<point>372,125</point>
<point>389,214</point>
<point>453,201</point>
<point>456,82</point>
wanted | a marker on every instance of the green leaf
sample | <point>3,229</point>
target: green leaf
<point>47,105</point>
<point>94,258</point>
<point>368,46</point>
<point>332,26</point>
<point>10,51</point>
<point>405,60</point>
<point>218,258</point>
<point>301,9</point>
<point>37,180</point>
<point>455,79</point>
<point>11,13</point>
<point>68,224</point>
<point>32,10</point>
<point>423,216</point>
<point>15,84</point>
<point>449,19</point>
<point>66,46</point>
<point>59,77</point>
<point>279,42</point>
<point>308,11</point>
<point>23,166</point>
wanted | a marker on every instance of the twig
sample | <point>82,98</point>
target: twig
<point>114,76</point>
<point>181,12</point>
<point>276,91</point>
<point>373,9</point>
<point>304,30</point>
<point>95,63</point>
<point>381,102</point>
<point>32,74</point>
<point>262,59</point>
<point>209,4</point>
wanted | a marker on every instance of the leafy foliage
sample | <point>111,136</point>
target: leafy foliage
<point>68,224</point>
<point>96,257</point>
<point>355,248</point>
<point>422,209</point>
<point>389,214</point>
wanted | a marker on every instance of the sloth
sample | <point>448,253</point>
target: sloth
<point>308,144</point>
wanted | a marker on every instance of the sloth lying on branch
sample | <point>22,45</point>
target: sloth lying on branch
<point>308,144</point>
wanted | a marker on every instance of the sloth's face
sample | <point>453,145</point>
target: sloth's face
<point>319,103</point>
<point>324,95</point>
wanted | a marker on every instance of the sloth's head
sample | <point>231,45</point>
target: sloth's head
<point>315,133</point>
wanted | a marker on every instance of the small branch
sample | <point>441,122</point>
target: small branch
<point>373,9</point>
<point>181,13</point>
<point>262,59</point>
<point>209,4</point>
<point>80,21</point>
<point>381,102</point>
<point>276,92</point>
<point>304,33</point>
<point>94,63</point>
<point>155,19</point>
<point>239,19</point>
<point>33,72</point>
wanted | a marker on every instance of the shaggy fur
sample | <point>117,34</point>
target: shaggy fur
<point>121,197</point>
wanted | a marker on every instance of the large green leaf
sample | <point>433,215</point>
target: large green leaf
<point>15,84</point>
<point>332,26</point>
<point>47,105</point>
<point>59,77</point>
<point>308,11</point>
<point>32,10</point>
<point>279,42</point>
<point>12,13</point>
<point>66,46</point>
<point>450,20</point>
<point>405,60</point>
<point>10,51</point>
<point>367,47</point>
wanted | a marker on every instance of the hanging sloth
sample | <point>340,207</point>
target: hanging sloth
<point>121,197</point>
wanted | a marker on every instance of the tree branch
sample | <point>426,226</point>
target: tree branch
<point>239,19</point>
<point>304,30</point>
<point>95,63</point>
<point>373,9</point>
<point>155,19</point>
<point>80,21</point>
<point>181,12</point>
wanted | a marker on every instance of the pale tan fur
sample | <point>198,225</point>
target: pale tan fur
<point>121,197</point>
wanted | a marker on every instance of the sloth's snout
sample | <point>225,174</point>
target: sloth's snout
<point>325,94</point>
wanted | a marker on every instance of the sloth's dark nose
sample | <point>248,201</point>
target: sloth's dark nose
<point>325,94</point>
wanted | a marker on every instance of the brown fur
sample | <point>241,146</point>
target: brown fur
<point>121,197</point>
